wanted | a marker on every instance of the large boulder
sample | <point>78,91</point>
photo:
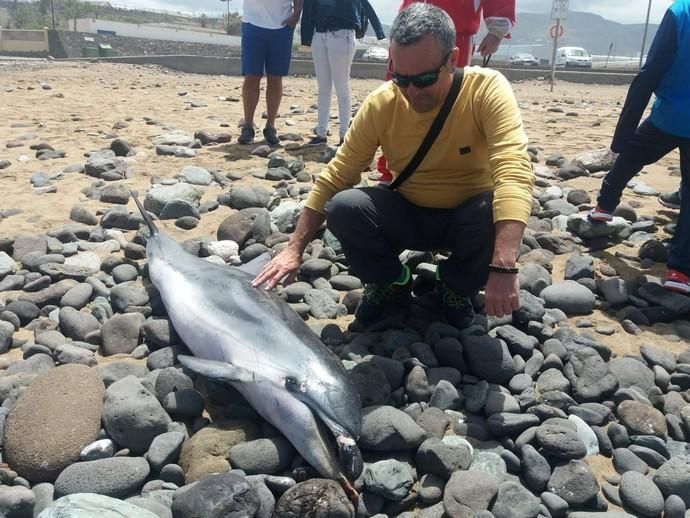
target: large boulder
<point>55,418</point>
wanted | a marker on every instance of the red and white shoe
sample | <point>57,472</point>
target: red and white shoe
<point>599,214</point>
<point>677,281</point>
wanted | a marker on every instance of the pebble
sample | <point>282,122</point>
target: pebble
<point>390,479</point>
<point>640,494</point>
<point>116,477</point>
<point>90,505</point>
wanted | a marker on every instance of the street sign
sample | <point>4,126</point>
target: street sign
<point>556,27</point>
<point>559,9</point>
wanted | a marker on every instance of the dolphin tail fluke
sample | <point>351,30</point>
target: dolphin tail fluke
<point>147,218</point>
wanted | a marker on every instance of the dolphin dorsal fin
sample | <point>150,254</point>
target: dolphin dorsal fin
<point>254,266</point>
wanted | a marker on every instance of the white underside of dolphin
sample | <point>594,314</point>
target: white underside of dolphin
<point>252,340</point>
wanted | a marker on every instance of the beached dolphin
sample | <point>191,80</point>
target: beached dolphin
<point>251,339</point>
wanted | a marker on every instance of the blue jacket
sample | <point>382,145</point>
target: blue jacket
<point>356,12</point>
<point>666,73</point>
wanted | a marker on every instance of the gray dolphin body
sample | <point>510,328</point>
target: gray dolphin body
<point>251,339</point>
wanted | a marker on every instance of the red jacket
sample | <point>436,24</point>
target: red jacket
<point>467,13</point>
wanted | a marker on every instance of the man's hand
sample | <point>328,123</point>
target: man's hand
<point>502,294</point>
<point>293,20</point>
<point>283,265</point>
<point>489,44</point>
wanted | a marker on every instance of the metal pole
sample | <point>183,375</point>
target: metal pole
<point>608,55</point>
<point>52,12</point>
<point>553,54</point>
<point>644,37</point>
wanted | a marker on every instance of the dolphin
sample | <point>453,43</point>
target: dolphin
<point>250,339</point>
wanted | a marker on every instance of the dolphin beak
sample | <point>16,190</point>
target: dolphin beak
<point>350,457</point>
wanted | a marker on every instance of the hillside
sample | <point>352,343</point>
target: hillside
<point>581,29</point>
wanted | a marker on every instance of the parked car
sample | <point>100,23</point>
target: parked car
<point>375,54</point>
<point>573,57</point>
<point>523,58</point>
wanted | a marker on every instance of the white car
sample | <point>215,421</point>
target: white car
<point>575,57</point>
<point>375,54</point>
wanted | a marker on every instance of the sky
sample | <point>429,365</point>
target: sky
<point>623,11</point>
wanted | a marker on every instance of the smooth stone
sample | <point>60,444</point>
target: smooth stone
<point>640,494</point>
<point>514,500</point>
<point>117,477</point>
<point>89,505</point>
<point>673,478</point>
<point>390,479</point>
<point>318,497</point>
<point>132,416</point>
<point>41,438</point>
<point>574,482</point>
<point>468,492</point>
<point>569,296</point>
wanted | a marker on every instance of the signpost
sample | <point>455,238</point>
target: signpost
<point>559,11</point>
<point>644,37</point>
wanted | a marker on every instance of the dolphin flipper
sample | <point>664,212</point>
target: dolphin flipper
<point>217,370</point>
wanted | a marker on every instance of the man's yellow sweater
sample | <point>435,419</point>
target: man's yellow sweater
<point>482,147</point>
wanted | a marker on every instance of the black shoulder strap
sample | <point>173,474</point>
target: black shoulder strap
<point>434,130</point>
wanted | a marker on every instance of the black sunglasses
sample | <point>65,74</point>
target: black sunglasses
<point>423,80</point>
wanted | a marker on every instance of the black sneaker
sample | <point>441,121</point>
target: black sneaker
<point>457,310</point>
<point>317,141</point>
<point>271,136</point>
<point>246,135</point>
<point>379,297</point>
<point>670,199</point>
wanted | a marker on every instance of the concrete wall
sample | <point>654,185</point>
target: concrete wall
<point>155,32</point>
<point>23,42</point>
<point>232,66</point>
<point>67,44</point>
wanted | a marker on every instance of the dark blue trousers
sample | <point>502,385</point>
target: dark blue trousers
<point>648,145</point>
<point>375,224</point>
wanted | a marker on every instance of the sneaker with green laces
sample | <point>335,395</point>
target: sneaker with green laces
<point>379,297</point>
<point>457,309</point>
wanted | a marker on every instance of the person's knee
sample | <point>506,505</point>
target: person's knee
<point>343,206</point>
<point>274,81</point>
<point>252,80</point>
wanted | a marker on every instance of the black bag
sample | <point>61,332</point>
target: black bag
<point>433,132</point>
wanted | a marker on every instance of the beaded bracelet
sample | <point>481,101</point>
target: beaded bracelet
<point>503,269</point>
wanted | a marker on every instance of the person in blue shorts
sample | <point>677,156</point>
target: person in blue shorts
<point>666,73</point>
<point>267,28</point>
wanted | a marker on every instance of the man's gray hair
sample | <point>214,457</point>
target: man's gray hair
<point>419,19</point>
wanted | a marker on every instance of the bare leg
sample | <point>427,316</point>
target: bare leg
<point>250,97</point>
<point>274,94</point>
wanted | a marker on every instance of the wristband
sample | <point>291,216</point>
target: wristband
<point>503,269</point>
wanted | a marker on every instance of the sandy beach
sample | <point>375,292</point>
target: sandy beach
<point>88,102</point>
<point>81,107</point>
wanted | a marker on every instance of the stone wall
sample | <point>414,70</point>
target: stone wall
<point>66,44</point>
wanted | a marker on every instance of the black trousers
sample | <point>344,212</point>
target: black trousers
<point>375,224</point>
<point>648,145</point>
